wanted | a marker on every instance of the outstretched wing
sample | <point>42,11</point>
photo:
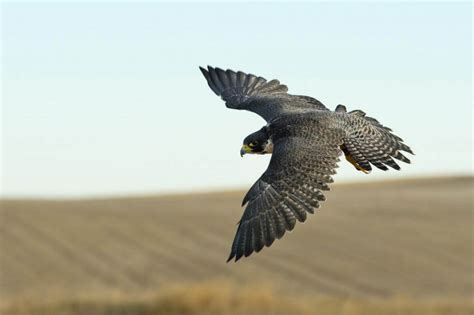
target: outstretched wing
<point>299,170</point>
<point>268,99</point>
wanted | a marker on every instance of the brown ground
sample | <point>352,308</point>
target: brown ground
<point>399,242</point>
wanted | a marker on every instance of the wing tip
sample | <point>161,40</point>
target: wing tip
<point>203,70</point>
<point>205,73</point>
<point>231,256</point>
<point>208,69</point>
<point>234,256</point>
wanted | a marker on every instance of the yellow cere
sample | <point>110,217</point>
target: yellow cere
<point>246,148</point>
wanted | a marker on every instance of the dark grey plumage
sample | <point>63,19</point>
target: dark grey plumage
<point>307,141</point>
<point>247,91</point>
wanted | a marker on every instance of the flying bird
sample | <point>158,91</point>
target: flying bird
<point>305,139</point>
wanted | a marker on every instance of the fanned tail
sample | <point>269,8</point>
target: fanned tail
<point>368,143</point>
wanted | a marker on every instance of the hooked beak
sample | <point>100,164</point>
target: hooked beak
<point>245,149</point>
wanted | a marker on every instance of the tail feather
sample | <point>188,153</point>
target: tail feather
<point>368,142</point>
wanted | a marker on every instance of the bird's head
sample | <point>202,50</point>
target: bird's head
<point>257,143</point>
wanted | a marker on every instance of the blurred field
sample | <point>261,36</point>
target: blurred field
<point>404,247</point>
<point>222,298</point>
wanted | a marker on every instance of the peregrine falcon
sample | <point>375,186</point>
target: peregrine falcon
<point>305,139</point>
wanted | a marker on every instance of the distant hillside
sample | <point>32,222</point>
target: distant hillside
<point>401,238</point>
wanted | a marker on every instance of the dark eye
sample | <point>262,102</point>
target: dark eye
<point>253,144</point>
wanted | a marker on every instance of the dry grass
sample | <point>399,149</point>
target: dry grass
<point>368,245</point>
<point>222,298</point>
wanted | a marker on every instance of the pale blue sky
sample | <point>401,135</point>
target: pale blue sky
<point>108,99</point>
